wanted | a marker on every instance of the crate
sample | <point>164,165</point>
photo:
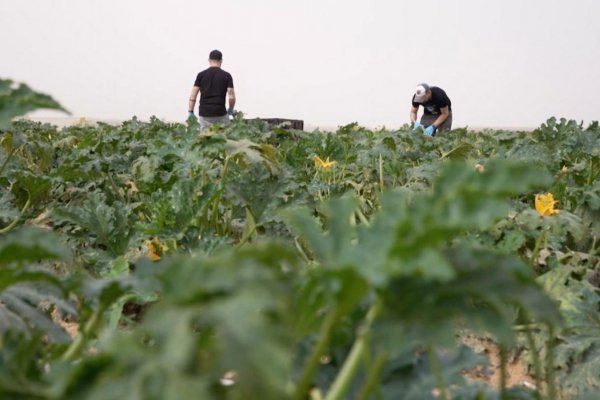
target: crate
<point>285,122</point>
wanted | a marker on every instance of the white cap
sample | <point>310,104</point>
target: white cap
<point>421,91</point>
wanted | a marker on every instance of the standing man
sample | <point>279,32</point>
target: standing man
<point>213,84</point>
<point>437,114</point>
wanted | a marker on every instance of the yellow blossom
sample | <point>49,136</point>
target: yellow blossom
<point>479,168</point>
<point>544,204</point>
<point>155,249</point>
<point>325,165</point>
<point>328,164</point>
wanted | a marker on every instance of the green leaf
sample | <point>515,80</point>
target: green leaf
<point>30,245</point>
<point>110,225</point>
<point>577,350</point>
<point>18,100</point>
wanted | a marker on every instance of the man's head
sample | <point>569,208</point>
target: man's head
<point>422,93</point>
<point>215,58</point>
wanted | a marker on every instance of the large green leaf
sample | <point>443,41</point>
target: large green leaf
<point>19,100</point>
<point>27,294</point>
<point>110,225</point>
<point>29,244</point>
<point>577,350</point>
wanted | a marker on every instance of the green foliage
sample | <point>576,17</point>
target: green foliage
<point>19,100</point>
<point>24,287</point>
<point>108,225</point>
<point>290,280</point>
<point>577,350</point>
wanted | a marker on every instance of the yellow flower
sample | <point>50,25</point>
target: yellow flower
<point>328,164</point>
<point>479,168</point>
<point>155,249</point>
<point>317,160</point>
<point>325,165</point>
<point>544,204</point>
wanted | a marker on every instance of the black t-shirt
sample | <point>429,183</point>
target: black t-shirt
<point>213,83</point>
<point>439,99</point>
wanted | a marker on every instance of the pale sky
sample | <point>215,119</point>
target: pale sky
<point>328,62</point>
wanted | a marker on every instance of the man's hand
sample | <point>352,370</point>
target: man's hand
<point>190,114</point>
<point>230,112</point>
<point>430,130</point>
<point>417,125</point>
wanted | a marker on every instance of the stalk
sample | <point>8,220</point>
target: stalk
<point>115,188</point>
<point>313,360</point>
<point>591,251</point>
<point>215,208</point>
<point>437,372</point>
<point>301,250</point>
<point>372,377</point>
<point>344,377</point>
<point>502,354</point>
<point>8,157</point>
<point>315,394</point>
<point>77,344</point>
<point>551,390</point>
<point>537,365</point>
<point>538,244</point>
<point>380,173</point>
<point>10,226</point>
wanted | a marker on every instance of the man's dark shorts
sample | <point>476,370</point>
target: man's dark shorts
<point>427,120</point>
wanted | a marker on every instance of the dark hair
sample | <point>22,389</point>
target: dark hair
<point>215,55</point>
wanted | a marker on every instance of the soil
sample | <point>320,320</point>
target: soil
<point>517,373</point>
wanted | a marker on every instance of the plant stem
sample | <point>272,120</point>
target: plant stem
<point>362,217</point>
<point>312,362</point>
<point>537,365</point>
<point>525,327</point>
<point>502,351</point>
<point>372,377</point>
<point>115,188</point>
<point>315,394</point>
<point>215,208</point>
<point>344,377</point>
<point>536,248</point>
<point>551,391</point>
<point>10,226</point>
<point>437,372</point>
<point>592,251</point>
<point>301,250</point>
<point>76,345</point>
<point>6,160</point>
<point>381,174</point>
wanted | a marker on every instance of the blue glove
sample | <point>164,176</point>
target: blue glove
<point>230,112</point>
<point>417,125</point>
<point>430,130</point>
<point>190,114</point>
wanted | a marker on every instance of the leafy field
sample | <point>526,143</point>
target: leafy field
<point>151,261</point>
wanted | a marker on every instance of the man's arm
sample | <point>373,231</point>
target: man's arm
<point>192,99</point>
<point>413,114</point>
<point>231,97</point>
<point>440,120</point>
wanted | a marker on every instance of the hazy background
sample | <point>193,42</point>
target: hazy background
<point>502,62</point>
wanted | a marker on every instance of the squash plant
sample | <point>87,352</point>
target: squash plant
<point>293,264</point>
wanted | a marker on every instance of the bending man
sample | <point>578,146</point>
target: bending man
<point>437,114</point>
<point>213,84</point>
